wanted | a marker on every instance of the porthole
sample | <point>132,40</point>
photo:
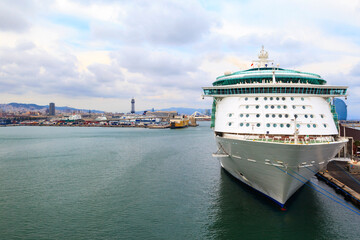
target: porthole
<point>292,99</point>
<point>273,115</point>
<point>325,126</point>
<point>257,106</point>
<point>295,116</point>
<point>293,106</point>
<point>302,99</point>
<point>246,99</point>
<point>257,115</point>
<point>274,125</point>
<point>271,98</point>
<point>241,124</point>
<point>247,124</point>
<point>298,125</point>
<point>314,125</point>
<point>277,98</point>
<point>312,116</point>
<point>267,115</point>
<point>272,106</point>
<point>285,107</point>
<point>288,125</point>
<point>230,114</point>
<point>266,106</point>
<point>258,124</point>
<point>306,116</point>
<point>280,115</point>
<point>283,99</point>
<point>265,98</point>
<point>247,106</point>
<point>278,106</point>
<point>241,115</point>
<point>247,115</point>
<point>268,124</point>
<point>303,107</point>
<point>286,115</point>
<point>308,125</point>
<point>281,125</point>
<point>256,98</point>
<point>321,115</point>
<point>229,124</point>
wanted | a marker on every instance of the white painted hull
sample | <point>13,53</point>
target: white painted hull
<point>275,169</point>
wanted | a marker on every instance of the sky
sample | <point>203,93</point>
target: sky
<point>99,54</point>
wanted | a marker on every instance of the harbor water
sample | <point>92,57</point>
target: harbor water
<point>134,183</point>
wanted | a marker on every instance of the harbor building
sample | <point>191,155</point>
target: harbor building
<point>341,108</point>
<point>133,105</point>
<point>52,109</point>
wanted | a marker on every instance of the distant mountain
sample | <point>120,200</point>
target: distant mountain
<point>35,107</point>
<point>187,111</point>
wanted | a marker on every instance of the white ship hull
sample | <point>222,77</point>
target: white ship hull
<point>277,170</point>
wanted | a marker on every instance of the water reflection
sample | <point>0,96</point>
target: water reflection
<point>241,213</point>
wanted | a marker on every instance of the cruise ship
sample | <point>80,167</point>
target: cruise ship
<point>274,128</point>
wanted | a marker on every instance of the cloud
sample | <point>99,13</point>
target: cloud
<point>12,19</point>
<point>157,22</point>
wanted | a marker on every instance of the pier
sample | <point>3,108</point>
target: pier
<point>343,182</point>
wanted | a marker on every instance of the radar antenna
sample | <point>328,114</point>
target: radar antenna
<point>263,58</point>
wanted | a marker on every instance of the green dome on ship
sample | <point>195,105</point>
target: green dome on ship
<point>265,75</point>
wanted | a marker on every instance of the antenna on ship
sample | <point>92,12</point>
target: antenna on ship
<point>263,58</point>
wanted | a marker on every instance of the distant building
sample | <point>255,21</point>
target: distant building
<point>52,109</point>
<point>207,112</point>
<point>341,109</point>
<point>133,105</point>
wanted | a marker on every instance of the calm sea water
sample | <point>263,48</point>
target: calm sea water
<point>122,183</point>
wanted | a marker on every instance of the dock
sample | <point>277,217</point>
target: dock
<point>342,181</point>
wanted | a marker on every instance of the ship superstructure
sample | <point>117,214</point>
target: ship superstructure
<point>272,124</point>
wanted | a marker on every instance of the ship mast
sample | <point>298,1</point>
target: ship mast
<point>263,58</point>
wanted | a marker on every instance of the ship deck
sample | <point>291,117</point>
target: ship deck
<point>282,139</point>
